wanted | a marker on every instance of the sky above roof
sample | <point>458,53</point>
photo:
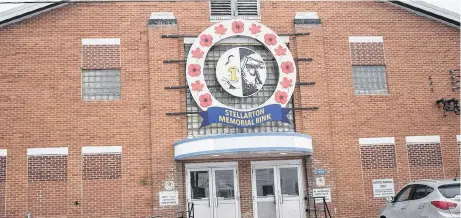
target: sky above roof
<point>451,5</point>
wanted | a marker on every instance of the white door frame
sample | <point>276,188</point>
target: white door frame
<point>274,164</point>
<point>210,167</point>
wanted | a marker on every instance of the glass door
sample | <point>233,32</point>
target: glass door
<point>276,191</point>
<point>199,192</point>
<point>264,190</point>
<point>290,201</point>
<point>224,190</point>
<point>214,192</point>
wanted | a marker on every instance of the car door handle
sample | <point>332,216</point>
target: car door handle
<point>420,206</point>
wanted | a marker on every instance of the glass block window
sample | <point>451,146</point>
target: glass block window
<point>100,85</point>
<point>194,120</point>
<point>369,79</point>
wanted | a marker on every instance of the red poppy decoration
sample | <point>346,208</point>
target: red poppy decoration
<point>237,26</point>
<point>206,40</point>
<point>280,51</point>
<point>287,67</point>
<point>281,97</point>
<point>194,70</point>
<point>205,100</point>
<point>221,30</point>
<point>286,83</point>
<point>197,86</point>
<point>255,29</point>
<point>270,39</point>
<point>197,53</point>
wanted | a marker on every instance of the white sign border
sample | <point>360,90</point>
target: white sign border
<point>231,28</point>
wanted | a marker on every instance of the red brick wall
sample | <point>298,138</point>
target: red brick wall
<point>40,94</point>
<point>102,166</point>
<point>367,53</point>
<point>47,185</point>
<point>102,185</point>
<point>425,161</point>
<point>378,162</point>
<point>100,56</point>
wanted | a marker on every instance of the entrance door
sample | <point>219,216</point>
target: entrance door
<point>214,191</point>
<point>276,191</point>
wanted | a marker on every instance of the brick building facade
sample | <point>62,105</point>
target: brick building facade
<point>93,103</point>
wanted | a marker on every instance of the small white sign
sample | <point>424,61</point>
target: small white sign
<point>168,198</point>
<point>168,186</point>
<point>320,181</point>
<point>321,192</point>
<point>383,188</point>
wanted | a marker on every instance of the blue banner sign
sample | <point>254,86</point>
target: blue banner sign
<point>273,112</point>
<point>321,171</point>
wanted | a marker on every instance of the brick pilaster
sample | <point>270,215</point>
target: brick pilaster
<point>315,123</point>
<point>164,167</point>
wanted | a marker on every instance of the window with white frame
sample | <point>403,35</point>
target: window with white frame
<point>369,79</point>
<point>101,84</point>
<point>227,9</point>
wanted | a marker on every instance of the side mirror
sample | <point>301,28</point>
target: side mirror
<point>389,199</point>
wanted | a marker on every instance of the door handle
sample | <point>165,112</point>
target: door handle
<point>217,202</point>
<point>209,202</point>
<point>421,206</point>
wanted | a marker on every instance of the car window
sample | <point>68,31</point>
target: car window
<point>450,191</point>
<point>421,191</point>
<point>404,195</point>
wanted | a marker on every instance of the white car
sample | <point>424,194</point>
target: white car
<point>425,199</point>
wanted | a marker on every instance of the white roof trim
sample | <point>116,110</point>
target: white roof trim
<point>244,40</point>
<point>430,8</point>
<point>25,8</point>
<point>366,39</point>
<point>102,150</point>
<point>47,151</point>
<point>34,6</point>
<point>433,9</point>
<point>101,41</point>
<point>3,152</point>
<point>377,141</point>
<point>422,139</point>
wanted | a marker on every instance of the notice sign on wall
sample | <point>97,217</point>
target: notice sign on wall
<point>321,192</point>
<point>168,198</point>
<point>383,188</point>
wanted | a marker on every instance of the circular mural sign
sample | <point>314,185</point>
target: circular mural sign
<point>241,72</point>
<point>244,78</point>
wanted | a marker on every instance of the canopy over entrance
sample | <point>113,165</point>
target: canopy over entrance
<point>244,145</point>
